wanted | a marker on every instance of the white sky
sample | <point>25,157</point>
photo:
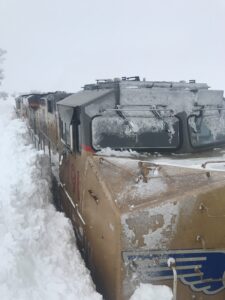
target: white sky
<point>63,44</point>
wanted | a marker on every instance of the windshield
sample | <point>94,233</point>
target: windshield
<point>207,128</point>
<point>135,130</point>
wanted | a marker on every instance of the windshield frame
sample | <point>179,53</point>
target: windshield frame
<point>144,149</point>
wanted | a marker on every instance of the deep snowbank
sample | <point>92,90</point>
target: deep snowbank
<point>39,259</point>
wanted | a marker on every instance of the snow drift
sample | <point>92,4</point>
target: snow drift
<point>39,258</point>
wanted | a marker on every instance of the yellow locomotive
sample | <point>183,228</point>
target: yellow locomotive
<point>141,178</point>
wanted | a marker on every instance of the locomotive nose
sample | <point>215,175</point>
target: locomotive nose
<point>185,228</point>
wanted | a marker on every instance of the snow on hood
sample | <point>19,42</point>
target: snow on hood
<point>126,184</point>
<point>110,152</point>
<point>193,161</point>
<point>215,162</point>
<point>152,292</point>
<point>39,258</point>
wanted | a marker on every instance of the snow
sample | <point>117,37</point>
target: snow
<point>157,238</point>
<point>156,222</point>
<point>110,152</point>
<point>171,262</point>
<point>152,292</point>
<point>185,161</point>
<point>177,100</point>
<point>190,161</point>
<point>39,258</point>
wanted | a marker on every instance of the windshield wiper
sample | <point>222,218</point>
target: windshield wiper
<point>133,129</point>
<point>157,114</point>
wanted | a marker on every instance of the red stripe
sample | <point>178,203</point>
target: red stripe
<point>87,148</point>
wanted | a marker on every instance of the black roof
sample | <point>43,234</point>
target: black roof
<point>84,97</point>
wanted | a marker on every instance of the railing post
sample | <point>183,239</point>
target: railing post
<point>172,264</point>
<point>49,150</point>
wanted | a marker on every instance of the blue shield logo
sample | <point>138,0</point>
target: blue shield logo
<point>202,270</point>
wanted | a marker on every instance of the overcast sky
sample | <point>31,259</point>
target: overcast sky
<point>63,44</point>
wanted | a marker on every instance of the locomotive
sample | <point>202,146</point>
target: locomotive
<point>141,179</point>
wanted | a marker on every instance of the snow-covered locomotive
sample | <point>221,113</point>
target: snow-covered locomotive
<point>136,182</point>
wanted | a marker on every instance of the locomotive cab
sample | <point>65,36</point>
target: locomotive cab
<point>134,210</point>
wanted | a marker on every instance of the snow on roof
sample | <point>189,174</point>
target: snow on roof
<point>176,99</point>
<point>191,85</point>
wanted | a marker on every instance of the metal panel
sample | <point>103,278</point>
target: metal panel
<point>84,97</point>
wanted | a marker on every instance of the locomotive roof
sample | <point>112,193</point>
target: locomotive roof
<point>42,95</point>
<point>56,96</point>
<point>129,91</point>
<point>84,97</point>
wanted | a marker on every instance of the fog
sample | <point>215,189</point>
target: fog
<point>61,45</point>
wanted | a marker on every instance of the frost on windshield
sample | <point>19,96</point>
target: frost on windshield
<point>207,128</point>
<point>126,131</point>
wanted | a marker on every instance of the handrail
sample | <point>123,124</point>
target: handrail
<point>151,109</point>
<point>212,162</point>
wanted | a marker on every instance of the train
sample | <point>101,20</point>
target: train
<point>141,177</point>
